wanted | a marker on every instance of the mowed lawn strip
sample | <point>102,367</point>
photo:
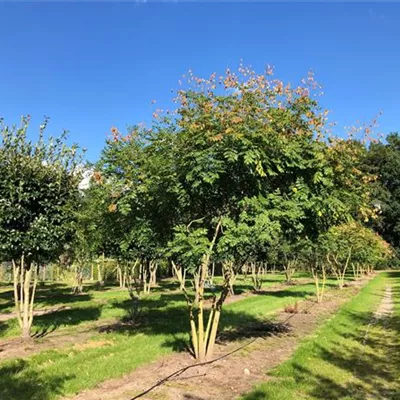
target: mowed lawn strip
<point>353,356</point>
<point>165,329</point>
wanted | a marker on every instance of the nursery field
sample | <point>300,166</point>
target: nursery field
<point>222,232</point>
<point>345,347</point>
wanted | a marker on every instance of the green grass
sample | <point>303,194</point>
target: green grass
<point>93,305</point>
<point>347,358</point>
<point>54,373</point>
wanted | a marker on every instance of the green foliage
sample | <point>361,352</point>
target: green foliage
<point>244,148</point>
<point>38,193</point>
<point>384,161</point>
<point>356,242</point>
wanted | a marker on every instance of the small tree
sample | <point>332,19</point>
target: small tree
<point>38,196</point>
<point>193,249</point>
<point>352,243</point>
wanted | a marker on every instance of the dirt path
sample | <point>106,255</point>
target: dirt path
<point>247,361</point>
<point>19,348</point>
<point>381,315</point>
<point>385,309</point>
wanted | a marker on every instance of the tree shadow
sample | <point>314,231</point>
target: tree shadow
<point>290,294</point>
<point>46,295</point>
<point>369,356</point>
<point>3,327</point>
<point>252,328</point>
<point>168,315</point>
<point>47,323</point>
<point>188,396</point>
<point>18,382</point>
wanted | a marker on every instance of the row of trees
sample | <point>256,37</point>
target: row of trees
<point>241,174</point>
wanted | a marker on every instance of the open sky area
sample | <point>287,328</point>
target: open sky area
<point>93,66</point>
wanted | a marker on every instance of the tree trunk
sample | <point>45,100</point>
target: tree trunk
<point>229,276</point>
<point>212,273</point>
<point>43,273</point>
<point>256,272</point>
<point>78,280</point>
<point>203,339</point>
<point>289,268</point>
<point>119,275</point>
<point>101,270</point>
<point>91,272</point>
<point>153,266</point>
<point>180,274</point>
<point>24,298</point>
<point>319,282</point>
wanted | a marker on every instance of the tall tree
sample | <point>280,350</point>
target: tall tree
<point>383,160</point>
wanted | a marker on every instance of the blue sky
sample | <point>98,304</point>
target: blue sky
<point>92,66</point>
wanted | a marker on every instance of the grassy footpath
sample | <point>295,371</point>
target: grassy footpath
<point>348,358</point>
<point>54,373</point>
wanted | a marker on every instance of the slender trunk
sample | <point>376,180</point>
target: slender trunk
<point>180,274</point>
<point>153,266</point>
<point>196,282</point>
<point>229,276</point>
<point>32,301</point>
<point>43,273</point>
<point>203,339</point>
<point>323,281</point>
<point>125,275</point>
<point>212,273</point>
<point>213,334</point>
<point>289,268</point>
<point>319,282</point>
<point>101,270</point>
<point>26,305</point>
<point>119,275</point>
<point>256,271</point>
<point>245,270</point>
<point>16,272</point>
<point>342,274</point>
<point>193,332</point>
<point>183,282</point>
<point>24,297</point>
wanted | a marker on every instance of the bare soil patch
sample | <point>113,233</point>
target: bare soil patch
<point>19,348</point>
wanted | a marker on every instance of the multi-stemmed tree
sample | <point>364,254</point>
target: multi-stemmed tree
<point>38,200</point>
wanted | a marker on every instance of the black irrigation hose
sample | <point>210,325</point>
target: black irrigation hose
<point>180,371</point>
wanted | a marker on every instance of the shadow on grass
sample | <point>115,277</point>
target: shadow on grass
<point>19,382</point>
<point>375,370</point>
<point>46,295</point>
<point>368,370</point>
<point>26,380</point>
<point>163,315</point>
<point>47,323</point>
<point>3,327</point>
<point>168,315</point>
